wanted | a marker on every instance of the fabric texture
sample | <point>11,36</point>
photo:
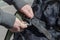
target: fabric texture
<point>7,19</point>
<point>17,3</point>
<point>47,11</point>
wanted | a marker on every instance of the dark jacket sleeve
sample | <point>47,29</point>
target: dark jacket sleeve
<point>17,3</point>
<point>7,19</point>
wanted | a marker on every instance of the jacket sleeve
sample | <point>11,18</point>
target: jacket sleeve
<point>7,19</point>
<point>17,3</point>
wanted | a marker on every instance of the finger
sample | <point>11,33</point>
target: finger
<point>27,11</point>
<point>30,10</point>
<point>15,29</point>
<point>23,24</point>
<point>20,23</point>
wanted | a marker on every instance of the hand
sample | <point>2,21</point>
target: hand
<point>27,10</point>
<point>18,26</point>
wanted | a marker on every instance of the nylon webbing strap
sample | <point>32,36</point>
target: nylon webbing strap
<point>9,33</point>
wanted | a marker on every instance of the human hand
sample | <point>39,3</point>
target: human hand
<point>27,10</point>
<point>18,26</point>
